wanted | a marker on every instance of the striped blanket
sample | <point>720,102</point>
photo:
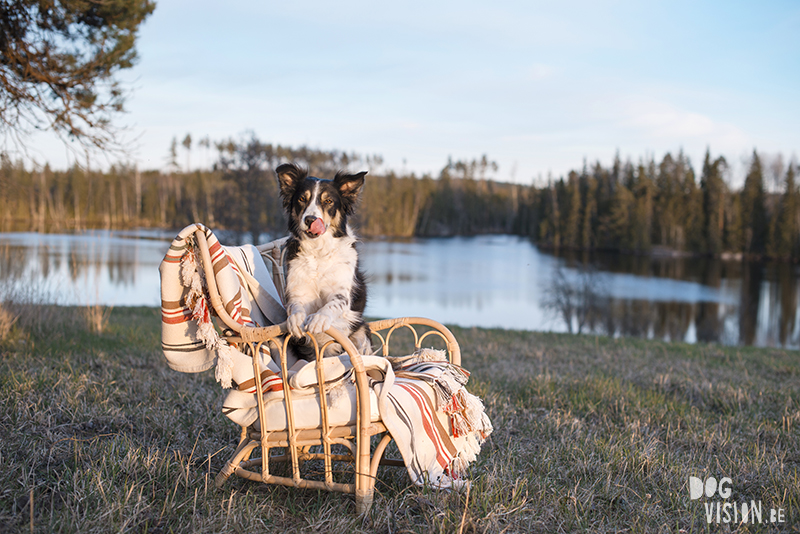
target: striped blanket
<point>437,425</point>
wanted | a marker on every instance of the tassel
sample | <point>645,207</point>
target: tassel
<point>452,406</point>
<point>473,408</point>
<point>224,371</point>
<point>195,300</point>
<point>458,467</point>
<point>487,427</point>
<point>470,449</point>
<point>207,333</point>
<point>188,267</point>
<point>459,425</point>
<point>443,394</point>
<point>430,355</point>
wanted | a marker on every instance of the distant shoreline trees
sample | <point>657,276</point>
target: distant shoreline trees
<point>643,208</point>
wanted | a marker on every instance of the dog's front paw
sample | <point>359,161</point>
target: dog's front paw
<point>318,323</point>
<point>294,323</point>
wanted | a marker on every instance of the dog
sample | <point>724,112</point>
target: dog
<point>324,284</point>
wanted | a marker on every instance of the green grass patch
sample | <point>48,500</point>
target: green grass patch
<point>591,433</point>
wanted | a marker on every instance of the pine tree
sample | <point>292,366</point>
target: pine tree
<point>754,213</point>
<point>643,211</point>
<point>589,223</point>
<point>733,235</point>
<point>572,221</point>
<point>668,220</point>
<point>59,62</point>
<point>550,227</point>
<point>713,188</point>
<point>694,218</point>
<point>786,232</point>
<point>616,226</point>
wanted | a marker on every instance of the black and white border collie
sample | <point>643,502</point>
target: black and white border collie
<point>324,286</point>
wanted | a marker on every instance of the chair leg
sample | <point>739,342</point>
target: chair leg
<point>302,452</point>
<point>242,453</point>
<point>364,499</point>
<point>223,475</point>
<point>378,454</point>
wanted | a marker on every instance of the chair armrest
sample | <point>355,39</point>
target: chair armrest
<point>257,335</point>
<point>437,328</point>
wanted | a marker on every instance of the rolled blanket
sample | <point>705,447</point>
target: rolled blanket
<point>189,340</point>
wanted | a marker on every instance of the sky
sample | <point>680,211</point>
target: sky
<point>536,86</point>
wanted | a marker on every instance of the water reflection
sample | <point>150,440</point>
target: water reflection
<point>13,260</point>
<point>748,303</point>
<point>83,268</point>
<point>490,281</point>
<point>785,291</point>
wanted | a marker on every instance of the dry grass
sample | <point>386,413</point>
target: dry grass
<point>34,311</point>
<point>591,434</point>
<point>97,316</point>
<point>7,320</point>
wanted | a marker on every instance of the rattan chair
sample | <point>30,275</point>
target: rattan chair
<point>356,459</point>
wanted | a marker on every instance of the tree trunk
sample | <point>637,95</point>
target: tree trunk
<point>138,185</point>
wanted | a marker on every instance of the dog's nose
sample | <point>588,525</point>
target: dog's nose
<point>310,220</point>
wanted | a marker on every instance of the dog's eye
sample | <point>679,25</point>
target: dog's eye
<point>328,202</point>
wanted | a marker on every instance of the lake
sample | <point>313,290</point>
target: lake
<point>487,281</point>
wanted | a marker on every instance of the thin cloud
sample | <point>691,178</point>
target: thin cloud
<point>661,121</point>
<point>540,71</point>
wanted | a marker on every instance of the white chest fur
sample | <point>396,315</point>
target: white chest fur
<point>323,269</point>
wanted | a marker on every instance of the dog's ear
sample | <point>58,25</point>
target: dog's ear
<point>349,185</point>
<point>289,175</point>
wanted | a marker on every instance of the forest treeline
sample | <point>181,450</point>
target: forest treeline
<point>625,207</point>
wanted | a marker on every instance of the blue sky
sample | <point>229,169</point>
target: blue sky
<point>537,86</point>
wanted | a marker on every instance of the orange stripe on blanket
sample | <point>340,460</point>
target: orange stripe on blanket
<point>270,386</point>
<point>219,256</point>
<point>451,448</point>
<point>435,438</point>
<point>265,374</point>
<point>175,313</point>
<point>182,318</point>
<point>215,250</point>
<point>424,409</point>
<point>443,431</point>
<point>233,307</point>
<point>266,387</point>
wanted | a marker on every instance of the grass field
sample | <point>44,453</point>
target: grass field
<point>591,434</point>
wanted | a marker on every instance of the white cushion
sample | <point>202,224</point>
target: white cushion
<point>307,414</point>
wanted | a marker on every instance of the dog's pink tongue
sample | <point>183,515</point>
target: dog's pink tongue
<point>317,227</point>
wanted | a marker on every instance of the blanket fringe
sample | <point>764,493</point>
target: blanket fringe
<point>467,413</point>
<point>196,300</point>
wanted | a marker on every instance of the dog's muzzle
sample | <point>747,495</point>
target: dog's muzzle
<point>315,225</point>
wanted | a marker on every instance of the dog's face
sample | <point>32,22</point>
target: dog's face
<point>317,206</point>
